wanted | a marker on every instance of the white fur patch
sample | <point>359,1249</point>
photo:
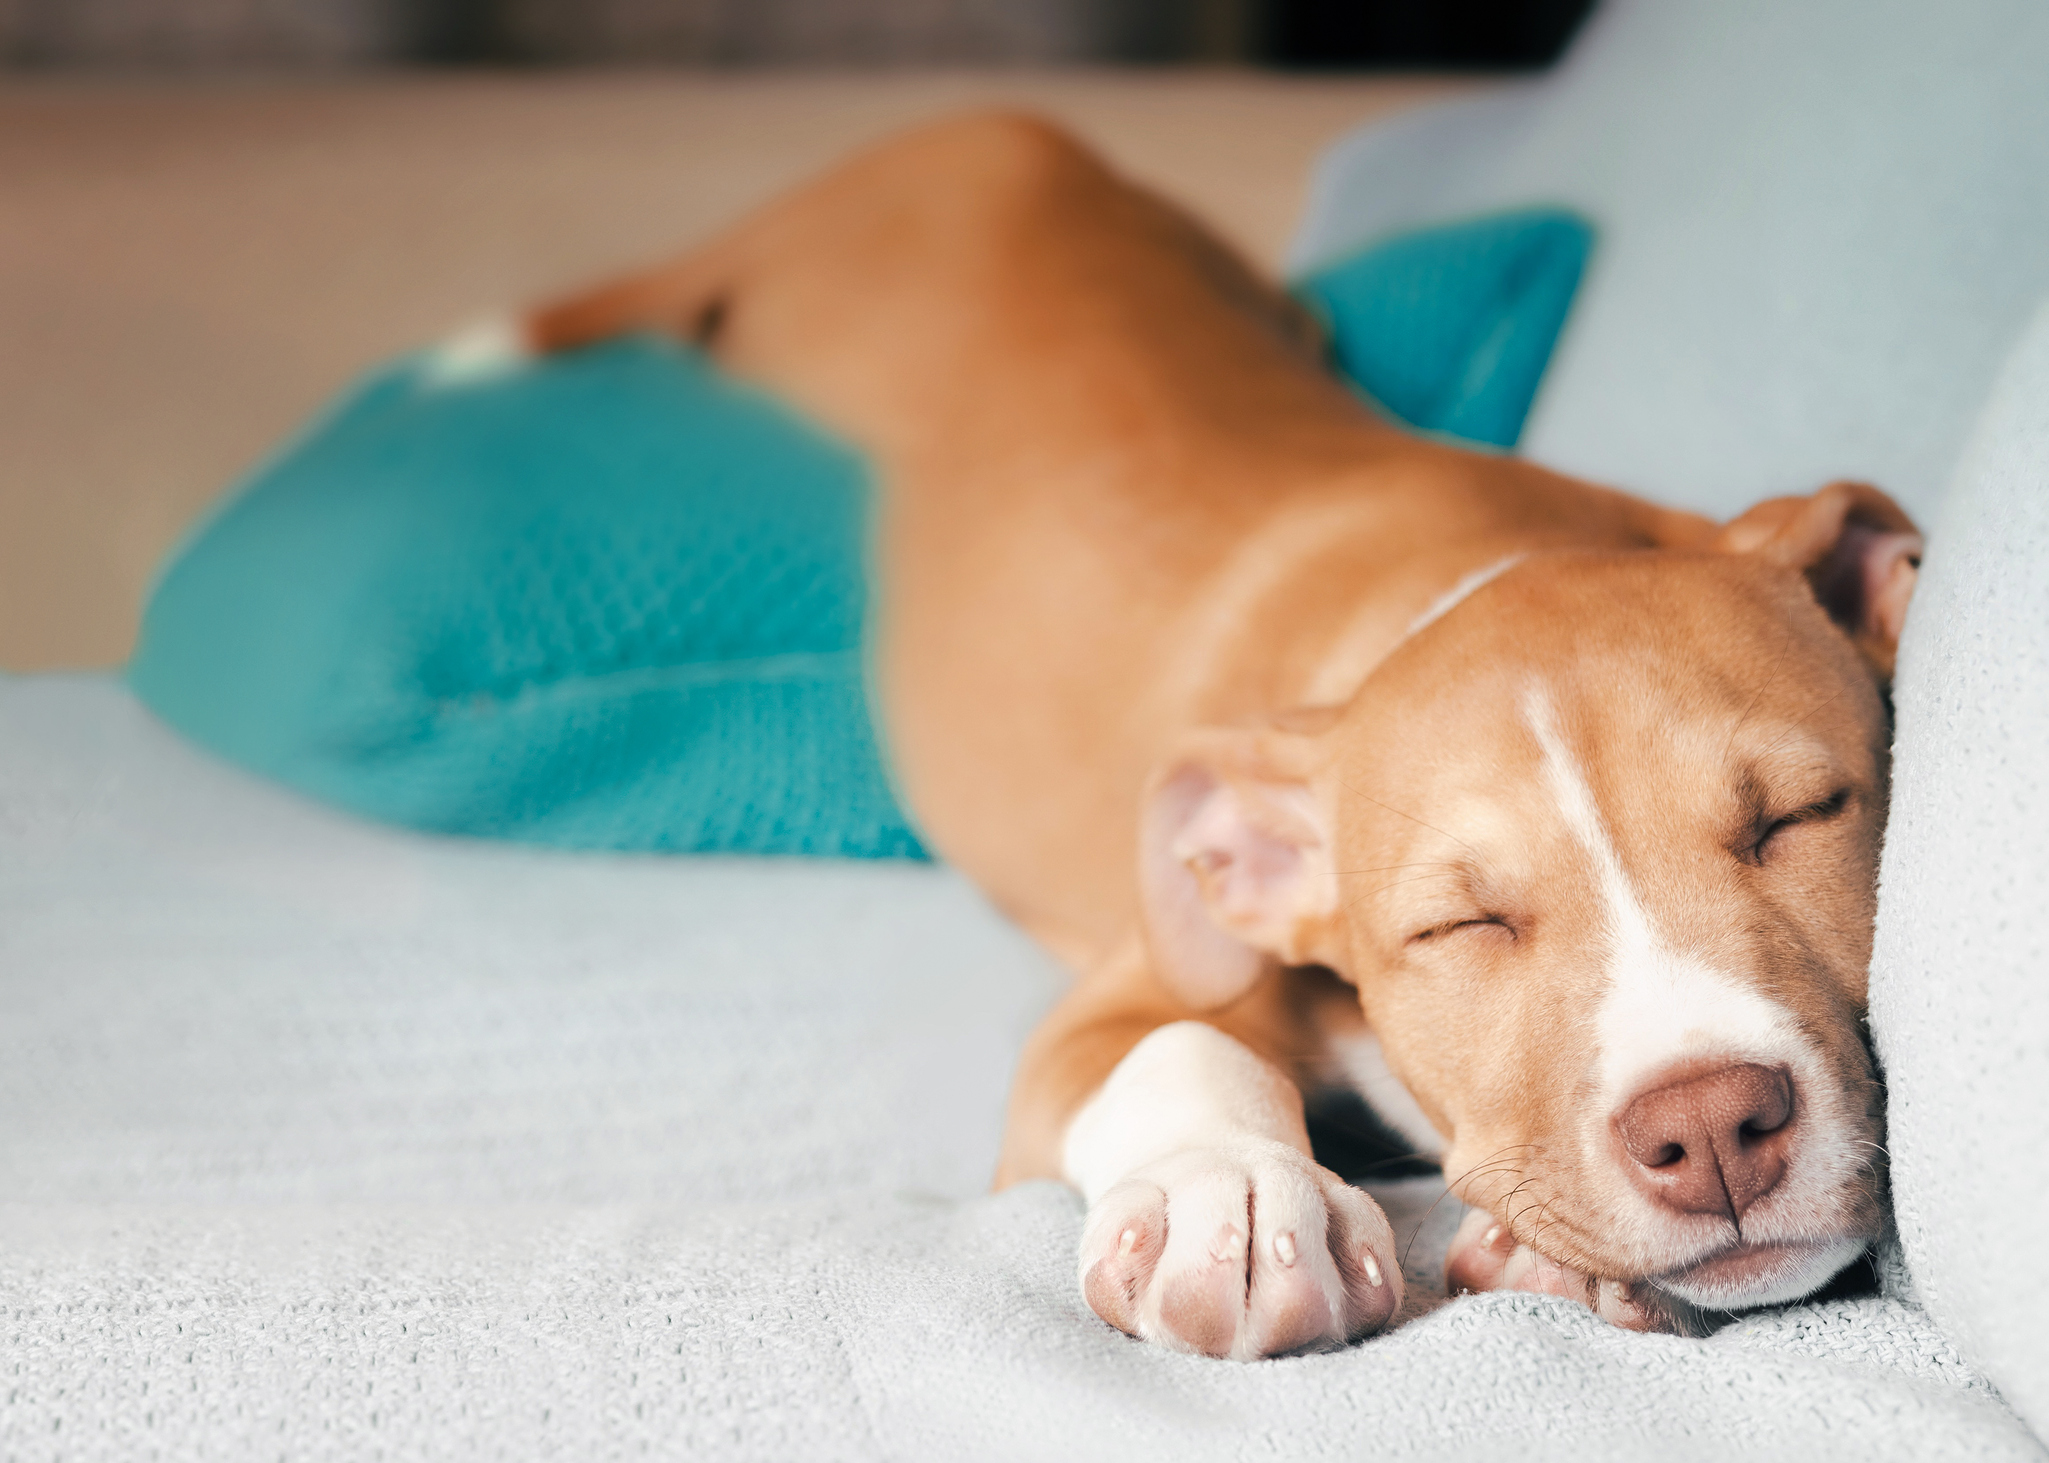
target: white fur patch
<point>1363,642</point>
<point>1453,597</point>
<point>1186,1085</point>
<point>484,351</point>
<point>1660,1006</point>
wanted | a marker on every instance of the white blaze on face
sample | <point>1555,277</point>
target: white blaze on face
<point>1660,1006</point>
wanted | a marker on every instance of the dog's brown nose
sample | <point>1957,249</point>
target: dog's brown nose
<point>1714,1143</point>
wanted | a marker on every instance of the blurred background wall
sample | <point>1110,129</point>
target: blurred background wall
<point>332,34</point>
<point>214,213</point>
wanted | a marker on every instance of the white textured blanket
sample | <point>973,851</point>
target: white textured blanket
<point>323,1140</point>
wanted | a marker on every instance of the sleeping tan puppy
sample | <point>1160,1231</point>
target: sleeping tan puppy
<point>1324,754</point>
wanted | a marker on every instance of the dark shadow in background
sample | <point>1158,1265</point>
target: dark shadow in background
<point>1441,34</point>
<point>169,35</point>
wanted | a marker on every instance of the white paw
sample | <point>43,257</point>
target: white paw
<point>1244,1250</point>
<point>1485,1256</point>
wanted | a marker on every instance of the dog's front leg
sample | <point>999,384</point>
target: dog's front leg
<point>1210,1228</point>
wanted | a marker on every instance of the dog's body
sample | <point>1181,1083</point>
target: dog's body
<point>1218,683</point>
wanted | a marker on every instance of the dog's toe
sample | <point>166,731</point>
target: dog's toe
<point>1484,1256</point>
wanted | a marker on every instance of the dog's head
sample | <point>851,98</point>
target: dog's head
<point>1597,844</point>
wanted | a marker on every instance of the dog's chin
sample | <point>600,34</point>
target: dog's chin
<point>1761,1275</point>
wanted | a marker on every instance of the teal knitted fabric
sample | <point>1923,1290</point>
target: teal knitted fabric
<point>615,599</point>
<point>611,602</point>
<point>1450,328</point>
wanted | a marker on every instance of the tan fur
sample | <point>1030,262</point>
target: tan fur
<point>1133,531</point>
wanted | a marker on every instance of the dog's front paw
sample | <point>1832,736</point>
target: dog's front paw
<point>1485,1256</point>
<point>1243,1250</point>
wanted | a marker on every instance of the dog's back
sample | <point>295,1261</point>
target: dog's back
<point>1123,494</point>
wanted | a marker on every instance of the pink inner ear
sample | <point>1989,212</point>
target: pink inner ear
<point>1195,958</point>
<point>1863,582</point>
<point>1228,876</point>
<point>1251,875</point>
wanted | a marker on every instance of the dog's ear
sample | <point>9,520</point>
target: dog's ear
<point>1859,551</point>
<point>1234,863</point>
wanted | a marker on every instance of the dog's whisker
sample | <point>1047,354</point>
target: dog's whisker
<point>1390,868</point>
<point>1785,649</point>
<point>1809,715</point>
<point>1422,1223</point>
<point>1411,817</point>
<point>1418,878</point>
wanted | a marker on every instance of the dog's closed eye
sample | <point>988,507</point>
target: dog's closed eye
<point>1769,835</point>
<point>1482,924</point>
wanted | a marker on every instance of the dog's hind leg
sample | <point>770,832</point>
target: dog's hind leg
<point>685,297</point>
